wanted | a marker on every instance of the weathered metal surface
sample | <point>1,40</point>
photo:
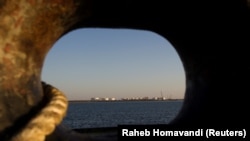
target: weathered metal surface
<point>28,29</point>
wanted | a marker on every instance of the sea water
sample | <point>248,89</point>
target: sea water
<point>111,114</point>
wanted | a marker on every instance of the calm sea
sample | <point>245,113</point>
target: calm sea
<point>106,114</point>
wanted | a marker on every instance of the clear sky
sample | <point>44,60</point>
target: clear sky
<point>117,63</point>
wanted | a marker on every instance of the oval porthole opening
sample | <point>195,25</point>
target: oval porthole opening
<point>116,76</point>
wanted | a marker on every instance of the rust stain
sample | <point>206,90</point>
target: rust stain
<point>32,2</point>
<point>41,29</point>
<point>18,22</point>
<point>8,65</point>
<point>7,48</point>
<point>16,11</point>
<point>7,61</point>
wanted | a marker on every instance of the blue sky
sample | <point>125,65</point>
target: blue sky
<point>117,63</point>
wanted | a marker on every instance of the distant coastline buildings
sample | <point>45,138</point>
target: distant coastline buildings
<point>134,98</point>
<point>102,99</point>
<point>130,99</point>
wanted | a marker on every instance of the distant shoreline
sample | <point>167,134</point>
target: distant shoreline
<point>74,101</point>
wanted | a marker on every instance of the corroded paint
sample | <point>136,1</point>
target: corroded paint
<point>28,29</point>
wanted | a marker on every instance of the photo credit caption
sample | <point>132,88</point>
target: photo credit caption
<point>162,131</point>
